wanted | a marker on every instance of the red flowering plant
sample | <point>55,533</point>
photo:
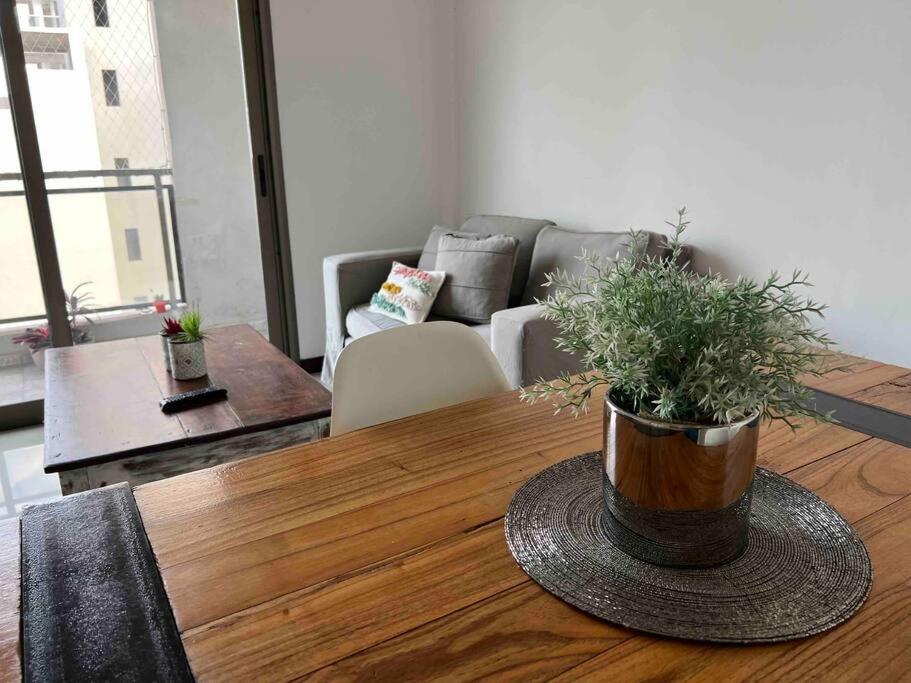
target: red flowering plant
<point>77,306</point>
<point>35,338</point>
<point>170,327</point>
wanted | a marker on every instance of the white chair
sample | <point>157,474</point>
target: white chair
<point>409,370</point>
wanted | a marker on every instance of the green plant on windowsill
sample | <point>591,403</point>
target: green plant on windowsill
<point>191,328</point>
<point>679,346</point>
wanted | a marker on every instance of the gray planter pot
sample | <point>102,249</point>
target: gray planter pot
<point>165,351</point>
<point>678,494</point>
<point>188,359</point>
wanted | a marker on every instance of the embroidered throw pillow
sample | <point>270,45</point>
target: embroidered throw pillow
<point>408,293</point>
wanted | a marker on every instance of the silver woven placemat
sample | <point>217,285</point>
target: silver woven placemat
<point>805,569</point>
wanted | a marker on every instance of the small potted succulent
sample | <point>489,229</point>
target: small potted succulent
<point>38,339</point>
<point>186,348</point>
<point>170,327</point>
<point>693,362</point>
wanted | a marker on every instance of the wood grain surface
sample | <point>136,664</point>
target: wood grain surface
<point>380,555</point>
<point>10,650</point>
<point>102,399</point>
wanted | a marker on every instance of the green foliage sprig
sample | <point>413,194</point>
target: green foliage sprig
<point>680,346</point>
<point>191,325</point>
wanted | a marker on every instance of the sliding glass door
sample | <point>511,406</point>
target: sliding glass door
<point>148,183</point>
<point>21,299</point>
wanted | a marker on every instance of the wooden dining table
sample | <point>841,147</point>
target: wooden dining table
<point>380,555</point>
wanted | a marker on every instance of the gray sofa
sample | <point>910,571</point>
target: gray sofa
<point>520,338</point>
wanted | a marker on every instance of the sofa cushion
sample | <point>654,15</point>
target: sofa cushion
<point>428,260</point>
<point>361,321</point>
<point>478,276</point>
<point>557,248</point>
<point>525,230</point>
<point>408,293</point>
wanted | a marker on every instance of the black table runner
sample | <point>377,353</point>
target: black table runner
<point>93,604</point>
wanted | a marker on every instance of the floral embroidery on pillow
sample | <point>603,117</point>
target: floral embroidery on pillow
<point>408,293</point>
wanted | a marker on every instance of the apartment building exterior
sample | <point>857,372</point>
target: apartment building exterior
<point>99,107</point>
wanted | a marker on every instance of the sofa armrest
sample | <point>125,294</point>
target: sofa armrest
<point>349,280</point>
<point>523,342</point>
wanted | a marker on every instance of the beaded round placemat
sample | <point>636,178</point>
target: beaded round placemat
<point>805,570</point>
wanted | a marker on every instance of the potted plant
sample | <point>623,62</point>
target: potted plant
<point>38,339</point>
<point>170,327</point>
<point>159,303</point>
<point>693,362</point>
<point>186,348</point>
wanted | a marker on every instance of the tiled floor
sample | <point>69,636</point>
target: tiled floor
<point>22,480</point>
<point>20,383</point>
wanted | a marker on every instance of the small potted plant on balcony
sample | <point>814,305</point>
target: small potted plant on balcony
<point>159,303</point>
<point>186,348</point>
<point>170,327</point>
<point>38,339</point>
<point>692,363</point>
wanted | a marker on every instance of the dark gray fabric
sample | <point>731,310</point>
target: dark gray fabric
<point>557,248</point>
<point>478,276</point>
<point>93,604</point>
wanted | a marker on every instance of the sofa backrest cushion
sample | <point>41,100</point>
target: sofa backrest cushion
<point>557,248</point>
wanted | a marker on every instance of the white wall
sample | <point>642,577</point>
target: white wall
<point>365,92</point>
<point>782,125</point>
<point>213,177</point>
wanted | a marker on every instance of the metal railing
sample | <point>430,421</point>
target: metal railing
<point>160,183</point>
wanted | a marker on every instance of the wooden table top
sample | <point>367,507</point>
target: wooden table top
<point>380,554</point>
<point>102,399</point>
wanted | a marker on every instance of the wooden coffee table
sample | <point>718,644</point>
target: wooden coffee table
<point>102,423</point>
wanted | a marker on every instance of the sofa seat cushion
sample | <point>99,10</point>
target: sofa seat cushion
<point>558,248</point>
<point>361,321</point>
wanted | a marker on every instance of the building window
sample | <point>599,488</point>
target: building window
<point>134,252</point>
<point>44,13</point>
<point>121,163</point>
<point>47,50</point>
<point>101,12</point>
<point>111,90</point>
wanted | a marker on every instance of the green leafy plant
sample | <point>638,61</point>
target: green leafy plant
<point>191,327</point>
<point>676,345</point>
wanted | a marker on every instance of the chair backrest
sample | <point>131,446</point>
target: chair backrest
<point>409,370</point>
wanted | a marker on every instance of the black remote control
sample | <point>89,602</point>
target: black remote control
<point>191,399</point>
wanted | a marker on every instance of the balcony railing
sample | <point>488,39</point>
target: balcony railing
<point>156,180</point>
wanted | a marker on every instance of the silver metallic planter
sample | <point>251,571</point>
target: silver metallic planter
<point>677,494</point>
<point>188,359</point>
<point>165,351</point>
